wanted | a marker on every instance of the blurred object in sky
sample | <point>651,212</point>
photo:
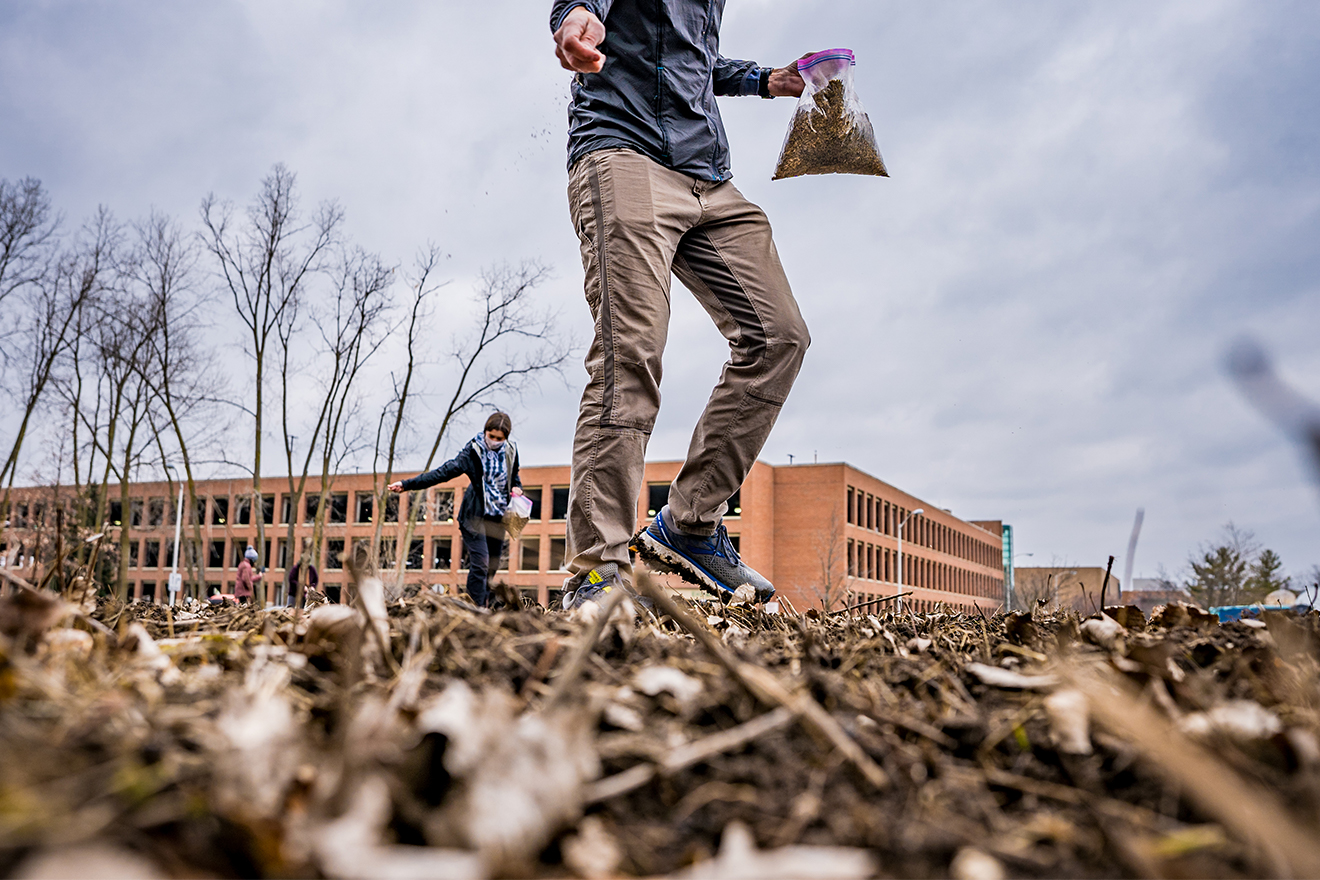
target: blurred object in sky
<point>1297,416</point>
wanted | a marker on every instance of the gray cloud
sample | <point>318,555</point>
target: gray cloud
<point>1089,202</point>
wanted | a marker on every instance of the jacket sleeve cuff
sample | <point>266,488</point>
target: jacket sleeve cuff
<point>756,82</point>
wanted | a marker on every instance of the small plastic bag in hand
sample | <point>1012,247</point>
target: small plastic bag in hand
<point>830,132</point>
<point>517,514</point>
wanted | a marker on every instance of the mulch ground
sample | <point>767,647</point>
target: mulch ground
<point>418,736</point>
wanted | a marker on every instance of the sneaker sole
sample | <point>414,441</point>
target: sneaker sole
<point>665,558</point>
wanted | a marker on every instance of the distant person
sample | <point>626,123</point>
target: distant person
<point>650,197</point>
<point>295,575</point>
<point>247,577</point>
<point>490,461</point>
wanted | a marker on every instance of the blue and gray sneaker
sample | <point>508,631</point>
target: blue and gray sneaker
<point>709,562</point>
<point>591,586</point>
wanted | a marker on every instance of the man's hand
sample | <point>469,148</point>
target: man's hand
<point>396,486</point>
<point>786,82</point>
<point>576,41</point>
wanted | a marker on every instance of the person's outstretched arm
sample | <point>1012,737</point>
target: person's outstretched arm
<point>446,471</point>
<point>741,78</point>
<point>578,30</point>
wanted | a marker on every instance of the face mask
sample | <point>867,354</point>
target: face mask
<point>494,445</point>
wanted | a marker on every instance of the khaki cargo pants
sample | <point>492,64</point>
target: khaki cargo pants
<point>638,222</point>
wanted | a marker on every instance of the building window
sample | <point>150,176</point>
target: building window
<point>151,554</point>
<point>852,559</point>
<point>736,541</point>
<point>870,512</point>
<point>268,509</point>
<point>442,550</point>
<point>391,508</point>
<point>199,511</point>
<point>388,550</point>
<point>282,553</point>
<point>735,504</point>
<point>338,512</point>
<point>132,554</point>
<point>135,512</point>
<point>116,513</point>
<point>286,509</point>
<point>155,512</point>
<point>417,504</point>
<point>533,494</point>
<point>559,502</point>
<point>851,519</point>
<point>20,516</point>
<point>365,506</point>
<point>530,557</point>
<point>243,510</point>
<point>443,505</point>
<point>657,496</point>
<point>311,503</point>
<point>167,561</point>
<point>148,591</point>
<point>334,548</point>
<point>558,549</point>
<point>416,553</point>
<point>215,557</point>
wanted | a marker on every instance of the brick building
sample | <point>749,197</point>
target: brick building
<point>1076,587</point>
<point>822,533</point>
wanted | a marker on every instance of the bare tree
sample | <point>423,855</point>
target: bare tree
<point>60,301</point>
<point>182,375</point>
<point>264,262</point>
<point>831,557</point>
<point>1032,587</point>
<point>27,236</point>
<point>511,344</point>
<point>352,329</point>
<point>419,311</point>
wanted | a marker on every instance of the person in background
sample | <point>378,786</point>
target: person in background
<point>247,577</point>
<point>490,461</point>
<point>295,574</point>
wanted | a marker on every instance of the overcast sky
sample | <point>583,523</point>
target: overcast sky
<point>1089,203</point>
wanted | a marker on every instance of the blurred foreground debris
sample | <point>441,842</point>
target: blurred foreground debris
<point>1297,416</point>
<point>415,737</point>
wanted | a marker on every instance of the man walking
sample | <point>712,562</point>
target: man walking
<point>650,195</point>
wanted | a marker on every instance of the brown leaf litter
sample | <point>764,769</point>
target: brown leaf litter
<point>419,736</point>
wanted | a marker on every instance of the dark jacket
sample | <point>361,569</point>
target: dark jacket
<point>656,92</point>
<point>468,461</point>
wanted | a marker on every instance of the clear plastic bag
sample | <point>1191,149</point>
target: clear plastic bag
<point>517,515</point>
<point>830,132</point>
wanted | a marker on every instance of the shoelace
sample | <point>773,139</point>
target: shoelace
<point>724,546</point>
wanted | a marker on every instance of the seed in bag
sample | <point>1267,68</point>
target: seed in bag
<point>830,132</point>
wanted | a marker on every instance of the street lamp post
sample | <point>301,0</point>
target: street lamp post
<point>898,602</point>
<point>176,579</point>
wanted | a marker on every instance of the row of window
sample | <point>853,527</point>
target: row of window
<point>877,515</point>
<point>657,496</point>
<point>525,553</point>
<point>869,562</point>
<point>222,510</point>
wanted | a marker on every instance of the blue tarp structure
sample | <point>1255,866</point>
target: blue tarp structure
<point>1225,613</point>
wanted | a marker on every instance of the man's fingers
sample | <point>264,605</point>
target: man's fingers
<point>578,55</point>
<point>576,42</point>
